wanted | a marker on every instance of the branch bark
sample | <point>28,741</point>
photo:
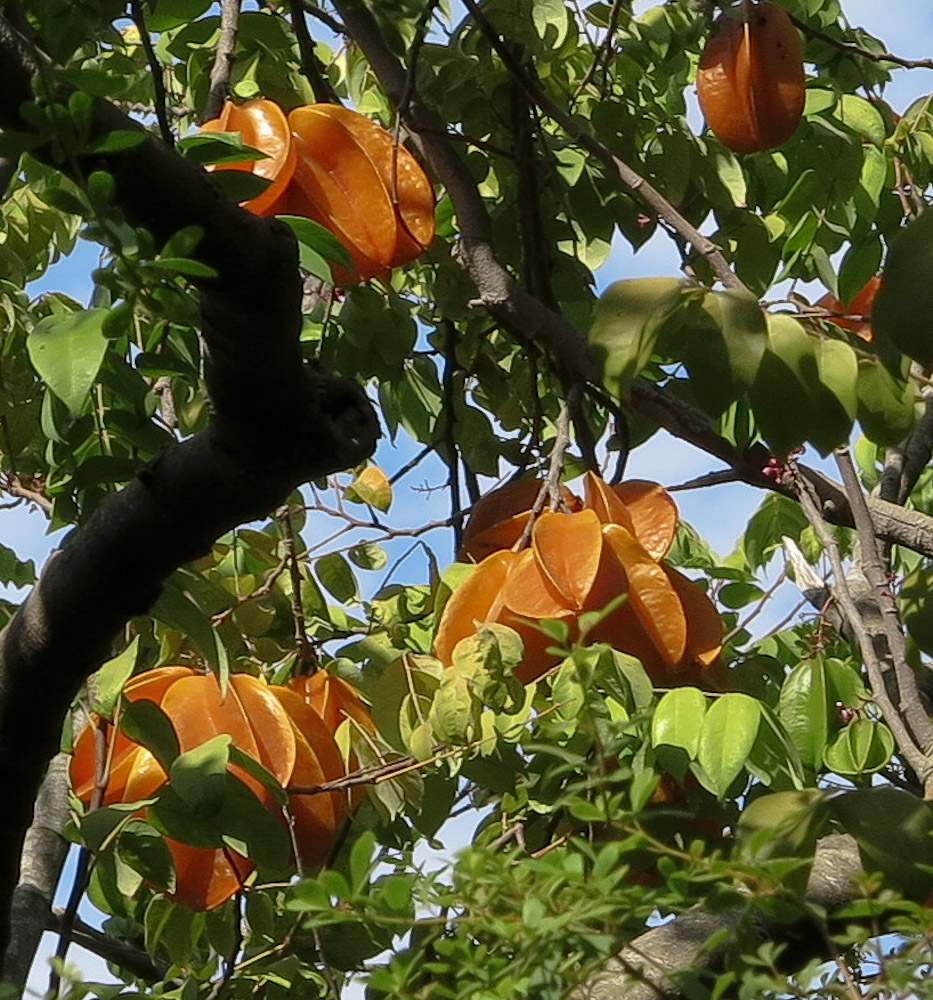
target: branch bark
<point>244,465</point>
<point>648,967</point>
<point>529,319</point>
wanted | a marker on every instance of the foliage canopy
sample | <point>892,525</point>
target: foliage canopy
<point>198,427</point>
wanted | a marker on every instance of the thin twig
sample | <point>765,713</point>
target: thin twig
<point>307,656</point>
<point>759,607</point>
<point>155,71</point>
<point>224,58</point>
<point>629,177</point>
<point>604,51</point>
<point>550,492</point>
<point>310,64</point>
<point>857,50</point>
<point>16,488</point>
<point>904,464</point>
<point>411,75</point>
<point>450,423</point>
<point>263,590</point>
<point>328,20</point>
<point>715,478</point>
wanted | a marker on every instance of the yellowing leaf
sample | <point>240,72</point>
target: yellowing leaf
<point>371,486</point>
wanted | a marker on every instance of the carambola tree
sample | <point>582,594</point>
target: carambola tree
<point>231,689</point>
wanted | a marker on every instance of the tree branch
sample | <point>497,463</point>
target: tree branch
<point>44,853</point>
<point>648,967</point>
<point>310,64</point>
<point>877,653</point>
<point>530,320</point>
<point>637,184</point>
<point>244,464</point>
<point>224,58</point>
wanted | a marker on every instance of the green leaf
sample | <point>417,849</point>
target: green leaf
<point>744,330</point>
<point>453,713</point>
<point>730,729</point>
<point>780,397</point>
<point>184,265</point>
<point>168,14</point>
<point>256,770</point>
<point>678,720</point>
<point>894,831</point>
<point>783,824</point>
<point>143,849</point>
<point>862,117</point>
<point>915,604</point>
<point>145,723</point>
<point>105,685</point>
<point>804,710</point>
<point>628,320</point>
<point>336,577</point>
<point>369,556</point>
<point>217,147</point>
<point>836,394</point>
<point>16,571</point>
<point>67,352</point>
<point>320,242</point>
<point>117,141</point>
<point>886,407</point>
<point>198,775</point>
<point>401,697</point>
<point>371,485</point>
<point>239,185</point>
<point>179,609</point>
<point>902,314</point>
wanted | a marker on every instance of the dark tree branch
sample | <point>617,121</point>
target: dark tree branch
<point>904,464</point>
<point>530,320</point>
<point>224,58</point>
<point>156,72</point>
<point>44,852</point>
<point>244,465</point>
<point>637,184</point>
<point>310,64</point>
<point>133,960</point>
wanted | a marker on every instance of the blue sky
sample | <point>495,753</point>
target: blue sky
<point>719,513</point>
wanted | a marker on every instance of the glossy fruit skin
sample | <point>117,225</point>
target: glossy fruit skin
<point>861,305</point>
<point>613,544</point>
<point>750,80</point>
<point>263,126</point>
<point>343,171</point>
<point>292,742</point>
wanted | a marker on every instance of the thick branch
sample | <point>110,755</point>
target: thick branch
<point>243,466</point>
<point>44,853</point>
<point>529,318</point>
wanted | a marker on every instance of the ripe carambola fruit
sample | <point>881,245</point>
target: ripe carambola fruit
<point>860,305</point>
<point>750,81</point>
<point>272,725</point>
<point>613,543</point>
